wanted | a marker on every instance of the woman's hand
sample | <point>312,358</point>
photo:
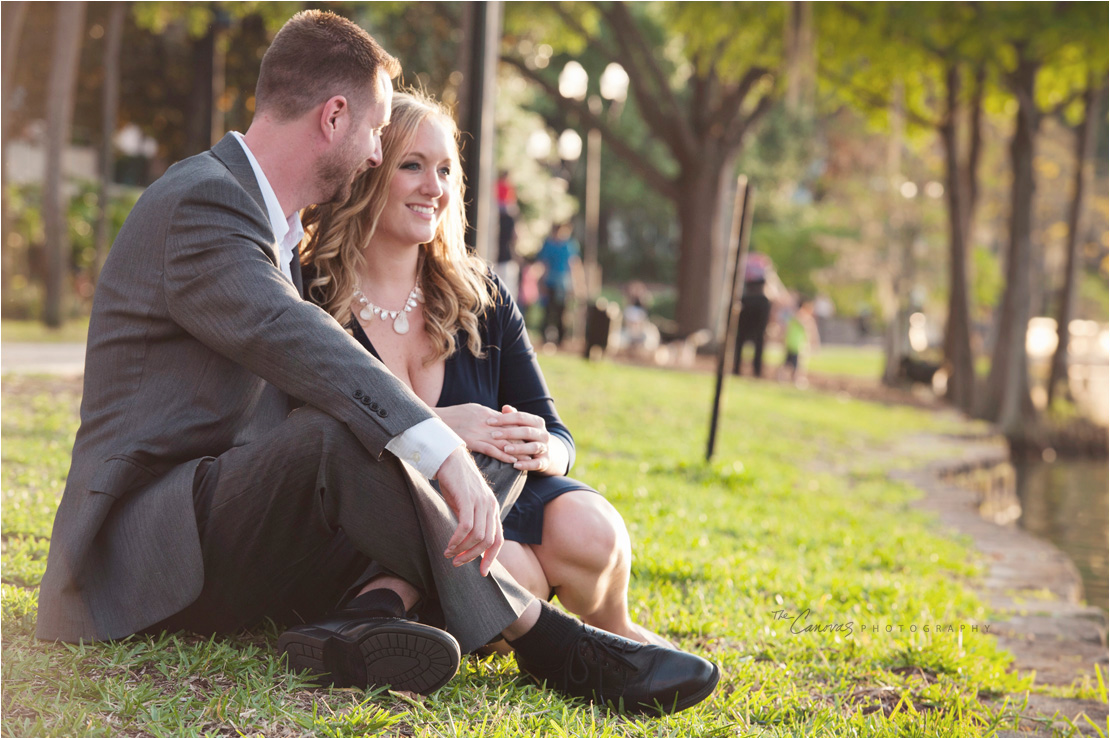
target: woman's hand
<point>517,438</point>
<point>525,436</point>
<point>472,422</point>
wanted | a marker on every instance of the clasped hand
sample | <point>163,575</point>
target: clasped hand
<point>515,437</point>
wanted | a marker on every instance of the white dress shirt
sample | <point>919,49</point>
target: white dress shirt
<point>427,444</point>
<point>288,232</point>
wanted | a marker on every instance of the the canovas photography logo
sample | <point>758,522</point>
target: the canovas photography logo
<point>799,623</point>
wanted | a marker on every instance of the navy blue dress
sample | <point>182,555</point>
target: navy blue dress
<point>508,375</point>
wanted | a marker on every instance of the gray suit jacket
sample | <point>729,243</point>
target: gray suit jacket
<point>197,344</point>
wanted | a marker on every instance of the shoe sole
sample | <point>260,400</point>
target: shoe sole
<point>405,656</point>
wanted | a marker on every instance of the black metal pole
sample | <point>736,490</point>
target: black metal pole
<point>477,123</point>
<point>738,247</point>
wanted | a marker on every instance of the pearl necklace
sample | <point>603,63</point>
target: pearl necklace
<point>400,320</point>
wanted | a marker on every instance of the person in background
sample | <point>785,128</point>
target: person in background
<point>639,336</point>
<point>755,313</point>
<point>800,339</point>
<point>562,262</point>
<point>507,267</point>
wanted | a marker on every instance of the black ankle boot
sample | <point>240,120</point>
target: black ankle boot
<point>625,674</point>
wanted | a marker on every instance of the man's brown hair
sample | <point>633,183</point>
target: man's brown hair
<point>315,56</point>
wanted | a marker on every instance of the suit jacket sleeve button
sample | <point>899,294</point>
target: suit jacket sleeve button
<point>374,406</point>
<point>358,394</point>
<point>383,413</point>
<point>365,400</point>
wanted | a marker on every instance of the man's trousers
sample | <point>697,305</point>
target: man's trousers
<point>296,521</point>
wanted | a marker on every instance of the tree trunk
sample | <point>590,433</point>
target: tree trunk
<point>198,120</point>
<point>217,124</point>
<point>1084,149</point>
<point>975,148</point>
<point>1008,402</point>
<point>799,57</point>
<point>14,15</point>
<point>479,85</point>
<point>896,341</point>
<point>62,93</point>
<point>113,41</point>
<point>699,209</point>
<point>895,338</point>
<point>957,332</point>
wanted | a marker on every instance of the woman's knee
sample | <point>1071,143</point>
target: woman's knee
<point>586,528</point>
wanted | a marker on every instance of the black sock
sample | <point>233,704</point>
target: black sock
<point>546,645</point>
<point>383,601</point>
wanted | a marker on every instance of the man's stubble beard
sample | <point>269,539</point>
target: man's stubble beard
<point>336,176</point>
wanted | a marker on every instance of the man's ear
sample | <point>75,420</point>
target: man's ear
<point>334,117</point>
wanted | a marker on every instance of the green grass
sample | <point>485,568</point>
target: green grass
<point>720,548</point>
<point>75,330</point>
<point>849,361</point>
<point>832,359</point>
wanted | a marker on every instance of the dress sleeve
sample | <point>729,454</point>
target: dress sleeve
<point>521,382</point>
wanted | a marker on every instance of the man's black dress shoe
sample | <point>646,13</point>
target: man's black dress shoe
<point>353,649</point>
<point>628,675</point>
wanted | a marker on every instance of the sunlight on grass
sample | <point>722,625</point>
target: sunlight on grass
<point>836,360</point>
<point>33,331</point>
<point>831,606</point>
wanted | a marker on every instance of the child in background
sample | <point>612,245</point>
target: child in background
<point>800,339</point>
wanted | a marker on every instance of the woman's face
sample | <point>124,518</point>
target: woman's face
<point>421,188</point>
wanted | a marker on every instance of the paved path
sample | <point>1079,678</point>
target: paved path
<point>1033,587</point>
<point>42,358</point>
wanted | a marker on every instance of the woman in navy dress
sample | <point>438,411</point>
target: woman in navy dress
<point>391,264</point>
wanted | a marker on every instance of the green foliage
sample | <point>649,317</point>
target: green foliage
<point>26,239</point>
<point>198,17</point>
<point>543,22</point>
<point>732,37</point>
<point>867,48</point>
<point>796,254</point>
<point>987,277</point>
<point>1094,297</point>
<point>872,51</point>
<point>426,39</point>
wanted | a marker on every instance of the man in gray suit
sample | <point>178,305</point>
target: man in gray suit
<point>200,498</point>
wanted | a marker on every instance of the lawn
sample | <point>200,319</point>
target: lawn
<point>842,360</point>
<point>33,331</point>
<point>831,606</point>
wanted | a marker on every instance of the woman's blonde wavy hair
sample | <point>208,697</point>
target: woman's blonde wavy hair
<point>456,289</point>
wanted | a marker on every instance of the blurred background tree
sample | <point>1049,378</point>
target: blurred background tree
<point>701,75</point>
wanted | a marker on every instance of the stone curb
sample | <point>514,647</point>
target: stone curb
<point>1030,583</point>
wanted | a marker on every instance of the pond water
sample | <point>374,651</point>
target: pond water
<point>1066,502</point>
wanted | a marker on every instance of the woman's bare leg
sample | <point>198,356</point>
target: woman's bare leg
<point>586,557</point>
<point>521,562</point>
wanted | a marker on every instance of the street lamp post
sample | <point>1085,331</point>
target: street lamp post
<point>573,84</point>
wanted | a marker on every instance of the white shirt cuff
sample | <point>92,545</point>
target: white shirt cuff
<point>426,446</point>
